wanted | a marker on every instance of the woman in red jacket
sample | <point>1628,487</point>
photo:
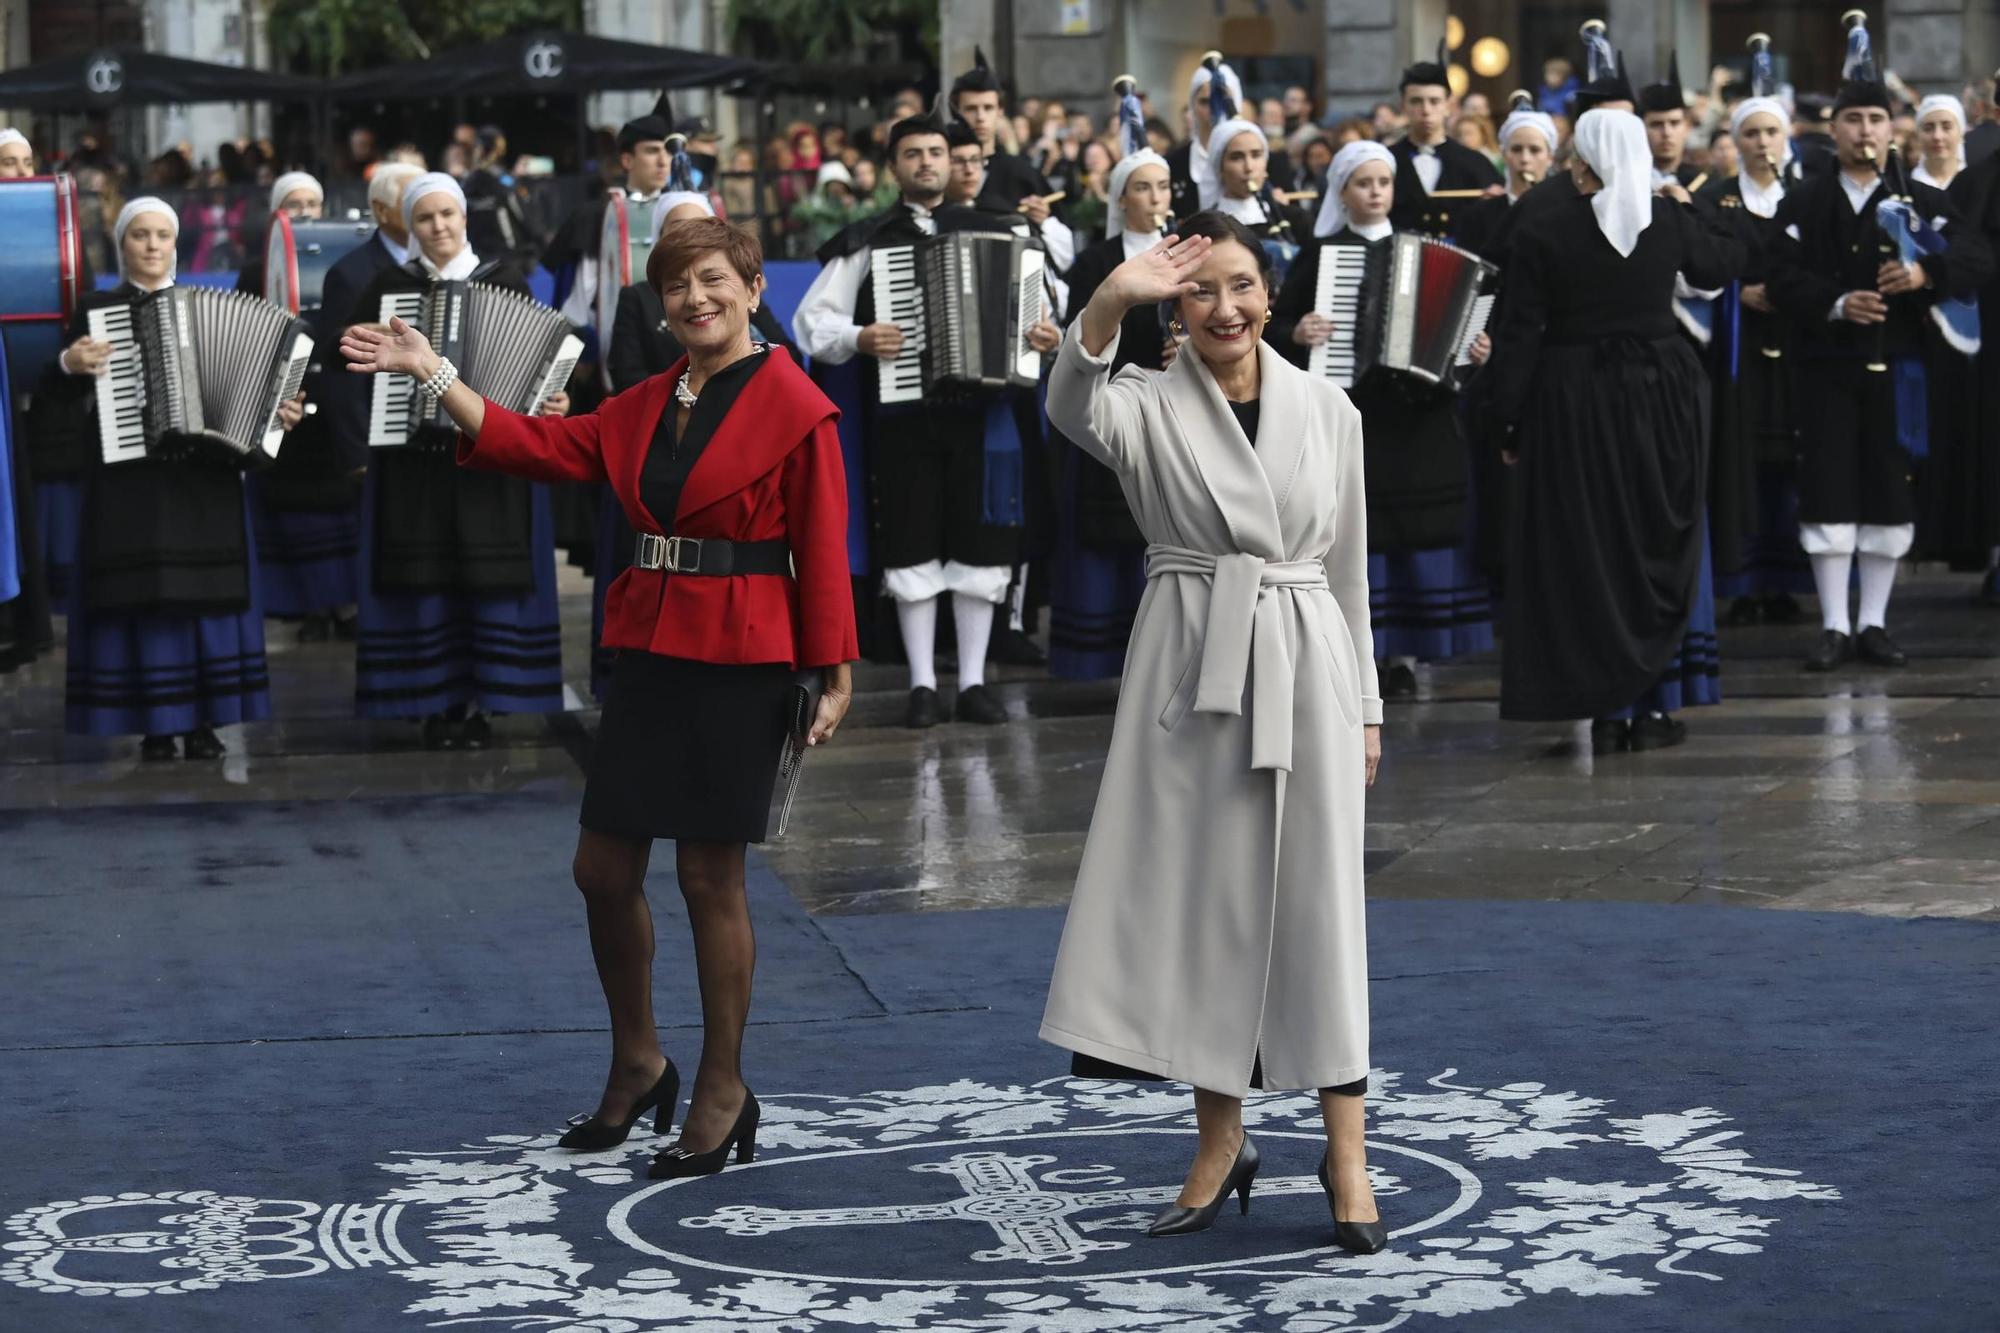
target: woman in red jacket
<point>729,468</point>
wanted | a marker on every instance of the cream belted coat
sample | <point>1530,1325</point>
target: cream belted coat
<point>1218,910</point>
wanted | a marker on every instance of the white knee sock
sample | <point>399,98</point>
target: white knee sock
<point>975,628</point>
<point>1830,577</point>
<point>919,624</point>
<point>1878,577</point>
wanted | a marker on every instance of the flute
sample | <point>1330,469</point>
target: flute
<point>1880,364</point>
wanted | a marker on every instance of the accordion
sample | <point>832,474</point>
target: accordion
<point>1412,305</point>
<point>965,301</point>
<point>510,349</point>
<point>197,371</point>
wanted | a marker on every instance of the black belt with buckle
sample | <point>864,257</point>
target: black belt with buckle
<point>711,555</point>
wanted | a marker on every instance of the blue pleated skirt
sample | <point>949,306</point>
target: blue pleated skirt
<point>163,675</point>
<point>422,653</point>
<point>1094,593</point>
<point>1432,605</point>
<point>59,520</point>
<point>307,559</point>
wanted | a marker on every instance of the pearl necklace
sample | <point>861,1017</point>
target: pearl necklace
<point>685,396</point>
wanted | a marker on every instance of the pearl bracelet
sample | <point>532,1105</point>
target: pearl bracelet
<point>440,383</point>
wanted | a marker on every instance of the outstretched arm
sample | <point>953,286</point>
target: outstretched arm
<point>402,350</point>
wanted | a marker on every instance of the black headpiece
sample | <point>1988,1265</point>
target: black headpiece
<point>978,79</point>
<point>642,130</point>
<point>1668,94</point>
<point>1859,83</point>
<point>1604,78</point>
<point>1429,74</point>
<point>960,135</point>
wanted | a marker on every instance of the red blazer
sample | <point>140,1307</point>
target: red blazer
<point>772,471</point>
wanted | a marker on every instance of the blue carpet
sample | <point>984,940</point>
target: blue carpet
<point>299,1067</point>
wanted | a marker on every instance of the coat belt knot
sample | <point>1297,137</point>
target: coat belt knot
<point>1245,639</point>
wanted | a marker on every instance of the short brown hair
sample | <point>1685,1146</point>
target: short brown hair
<point>682,243</point>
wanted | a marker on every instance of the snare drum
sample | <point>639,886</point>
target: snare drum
<point>298,255</point>
<point>41,271</point>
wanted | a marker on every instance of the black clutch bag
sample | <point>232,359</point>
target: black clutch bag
<point>801,707</point>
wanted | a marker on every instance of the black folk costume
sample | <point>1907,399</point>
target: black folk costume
<point>1607,569</point>
<point>1753,460</point>
<point>1098,574</point>
<point>1423,170</point>
<point>1857,499</point>
<point>1427,601</point>
<point>165,634</point>
<point>1965,513</point>
<point>943,476</point>
<point>458,610</point>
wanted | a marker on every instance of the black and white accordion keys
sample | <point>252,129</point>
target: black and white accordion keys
<point>510,349</point>
<point>965,301</point>
<point>177,374</point>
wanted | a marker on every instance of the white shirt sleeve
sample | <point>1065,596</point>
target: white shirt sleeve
<point>824,322</point>
<point>581,308</point>
<point>1839,310</point>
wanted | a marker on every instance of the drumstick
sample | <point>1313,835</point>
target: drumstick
<point>1055,198</point>
<point>1295,196</point>
<point>1457,194</point>
<point>1697,182</point>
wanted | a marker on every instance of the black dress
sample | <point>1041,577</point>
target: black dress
<point>688,750</point>
<point>1607,533</point>
<point>1959,490</point>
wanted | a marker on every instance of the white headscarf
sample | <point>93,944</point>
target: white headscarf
<point>295,180</point>
<point>436,182</point>
<point>11,135</point>
<point>831,173</point>
<point>1750,106</point>
<point>1946,102</point>
<point>1209,177</point>
<point>1613,144</point>
<point>1350,159</point>
<point>145,203</point>
<point>1760,201</point>
<point>673,199</point>
<point>1121,176</point>
<point>1531,120</point>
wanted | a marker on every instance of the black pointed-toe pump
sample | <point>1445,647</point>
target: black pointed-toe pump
<point>590,1134</point>
<point>677,1161</point>
<point>1354,1237</point>
<point>1179,1221</point>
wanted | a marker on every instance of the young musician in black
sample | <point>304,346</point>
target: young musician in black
<point>1099,570</point>
<point>1974,518</point>
<point>1187,163</point>
<point>1753,466</point>
<point>975,99</point>
<point>1858,311</point>
<point>166,638</point>
<point>1236,182</point>
<point>458,614</point>
<point>1426,599</point>
<point>1428,160</point>
<point>943,474</point>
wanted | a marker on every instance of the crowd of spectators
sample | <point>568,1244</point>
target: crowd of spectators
<point>808,180</point>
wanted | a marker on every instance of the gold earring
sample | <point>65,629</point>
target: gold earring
<point>1180,329</point>
<point>1267,317</point>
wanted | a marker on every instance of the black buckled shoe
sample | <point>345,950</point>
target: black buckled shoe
<point>587,1133</point>
<point>1354,1237</point>
<point>475,733</point>
<point>1657,731</point>
<point>1833,650</point>
<point>923,712</point>
<point>154,749</point>
<point>976,704</point>
<point>677,1161</point>
<point>438,733</point>
<point>1178,1221</point>
<point>203,743</point>
<point>1876,648</point>
<point>1610,735</point>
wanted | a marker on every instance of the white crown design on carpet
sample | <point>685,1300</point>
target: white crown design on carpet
<point>1496,1196</point>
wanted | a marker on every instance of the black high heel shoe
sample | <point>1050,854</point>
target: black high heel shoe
<point>1354,1237</point>
<point>589,1134</point>
<point>676,1162</point>
<point>1179,1221</point>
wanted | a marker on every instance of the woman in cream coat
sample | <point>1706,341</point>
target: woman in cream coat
<point>1216,935</point>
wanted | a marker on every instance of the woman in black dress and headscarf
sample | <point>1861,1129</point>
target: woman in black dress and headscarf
<point>1609,409</point>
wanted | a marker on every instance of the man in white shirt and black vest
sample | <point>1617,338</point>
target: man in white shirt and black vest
<point>1431,167</point>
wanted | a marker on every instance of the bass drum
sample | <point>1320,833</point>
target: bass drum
<point>298,256</point>
<point>614,274</point>
<point>41,272</point>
